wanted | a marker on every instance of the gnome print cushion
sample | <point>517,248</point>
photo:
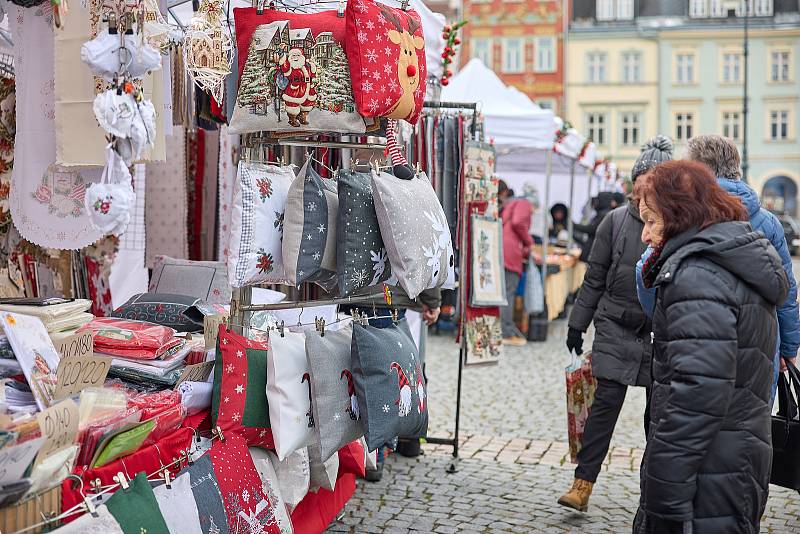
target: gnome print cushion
<point>256,243</point>
<point>386,50</point>
<point>239,398</point>
<point>293,74</point>
<point>361,256</point>
<point>389,383</point>
<point>309,230</point>
<point>336,407</point>
<point>415,230</point>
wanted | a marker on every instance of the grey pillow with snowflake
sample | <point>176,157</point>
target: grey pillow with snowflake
<point>309,230</point>
<point>337,419</point>
<point>389,384</point>
<point>415,231</point>
<point>361,257</point>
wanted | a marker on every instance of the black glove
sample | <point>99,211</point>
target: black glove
<point>575,341</point>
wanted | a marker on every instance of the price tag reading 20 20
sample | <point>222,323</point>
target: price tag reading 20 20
<point>79,367</point>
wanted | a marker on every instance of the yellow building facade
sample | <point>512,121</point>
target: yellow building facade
<point>612,90</point>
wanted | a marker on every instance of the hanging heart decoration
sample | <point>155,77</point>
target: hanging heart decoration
<point>207,49</point>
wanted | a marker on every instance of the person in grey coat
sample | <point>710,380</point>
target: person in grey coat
<point>622,349</point>
<point>707,464</point>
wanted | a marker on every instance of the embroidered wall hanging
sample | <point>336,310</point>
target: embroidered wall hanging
<point>207,49</point>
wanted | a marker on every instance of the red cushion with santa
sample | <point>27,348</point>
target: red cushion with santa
<point>386,51</point>
<point>293,74</point>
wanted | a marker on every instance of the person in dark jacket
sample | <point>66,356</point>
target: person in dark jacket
<point>722,157</point>
<point>706,467</point>
<point>559,214</point>
<point>621,350</point>
<point>605,203</point>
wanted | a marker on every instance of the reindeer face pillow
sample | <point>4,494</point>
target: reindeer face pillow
<point>389,384</point>
<point>415,230</point>
<point>386,51</point>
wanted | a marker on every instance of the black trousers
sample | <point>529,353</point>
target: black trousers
<point>608,399</point>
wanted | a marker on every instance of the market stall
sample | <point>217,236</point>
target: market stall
<point>210,276</point>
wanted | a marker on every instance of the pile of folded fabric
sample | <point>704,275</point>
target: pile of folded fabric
<point>61,317</point>
<point>144,354</point>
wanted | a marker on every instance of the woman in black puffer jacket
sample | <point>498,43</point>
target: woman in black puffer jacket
<point>706,468</point>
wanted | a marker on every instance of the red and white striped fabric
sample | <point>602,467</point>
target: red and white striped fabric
<point>391,144</point>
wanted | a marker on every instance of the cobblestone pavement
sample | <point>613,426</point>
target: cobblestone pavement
<point>514,454</point>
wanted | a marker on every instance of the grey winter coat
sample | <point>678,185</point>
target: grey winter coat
<point>709,451</point>
<point>622,349</point>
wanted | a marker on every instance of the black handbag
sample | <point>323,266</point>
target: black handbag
<point>786,431</point>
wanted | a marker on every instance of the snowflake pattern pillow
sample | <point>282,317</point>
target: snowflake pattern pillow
<point>415,231</point>
<point>389,384</point>
<point>259,202</point>
<point>293,74</point>
<point>337,414</point>
<point>386,51</point>
<point>309,230</point>
<point>239,396</point>
<point>289,393</point>
<point>361,257</point>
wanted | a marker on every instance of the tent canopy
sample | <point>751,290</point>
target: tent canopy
<point>511,118</point>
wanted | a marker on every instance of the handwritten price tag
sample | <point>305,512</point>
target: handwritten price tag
<point>79,368</point>
<point>196,373</point>
<point>59,426</point>
<point>211,328</point>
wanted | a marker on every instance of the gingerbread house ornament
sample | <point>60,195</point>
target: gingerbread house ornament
<point>207,49</point>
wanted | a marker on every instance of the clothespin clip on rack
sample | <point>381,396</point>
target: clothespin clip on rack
<point>340,9</point>
<point>320,324</point>
<point>167,478</point>
<point>122,480</point>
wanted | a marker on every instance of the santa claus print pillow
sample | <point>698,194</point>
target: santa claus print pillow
<point>386,51</point>
<point>293,74</point>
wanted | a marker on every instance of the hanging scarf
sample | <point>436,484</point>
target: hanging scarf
<point>649,271</point>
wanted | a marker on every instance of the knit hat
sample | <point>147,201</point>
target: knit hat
<point>656,150</point>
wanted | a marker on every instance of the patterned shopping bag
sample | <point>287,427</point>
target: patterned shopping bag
<point>581,386</point>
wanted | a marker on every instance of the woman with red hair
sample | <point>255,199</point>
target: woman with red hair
<point>708,455</point>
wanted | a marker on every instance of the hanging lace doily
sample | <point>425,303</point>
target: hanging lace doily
<point>207,49</point>
<point>156,29</point>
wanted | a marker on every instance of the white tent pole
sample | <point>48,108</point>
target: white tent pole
<point>571,201</point>
<point>592,178</point>
<point>546,238</point>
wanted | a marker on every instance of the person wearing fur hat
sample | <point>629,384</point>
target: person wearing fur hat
<point>622,349</point>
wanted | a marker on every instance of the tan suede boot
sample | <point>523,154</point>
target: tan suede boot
<point>578,497</point>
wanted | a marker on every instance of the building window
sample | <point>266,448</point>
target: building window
<point>763,8</point>
<point>780,66</point>
<point>545,54</point>
<point>546,103</point>
<point>482,49</point>
<point>779,125</point>
<point>631,67</point>
<point>684,68</point>
<point>718,8</point>
<point>631,124</point>
<point>684,126</point>
<point>596,63</point>
<point>698,8</point>
<point>742,5</point>
<point>596,127</point>
<point>513,55</point>
<point>731,67</point>
<point>624,9</point>
<point>605,9</point>
<point>731,124</point>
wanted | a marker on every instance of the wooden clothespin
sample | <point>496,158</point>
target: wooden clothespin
<point>219,434</point>
<point>320,324</point>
